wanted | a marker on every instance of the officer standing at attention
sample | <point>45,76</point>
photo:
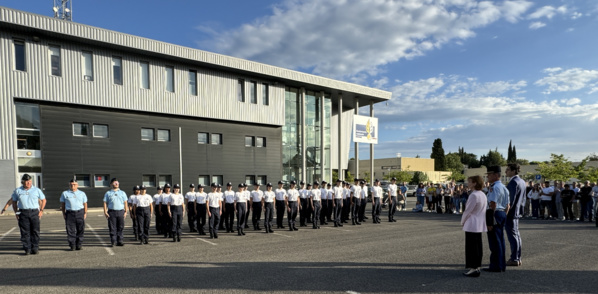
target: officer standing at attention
<point>392,199</point>
<point>355,202</point>
<point>240,207</point>
<point>337,203</point>
<point>74,210</point>
<point>115,210</point>
<point>190,203</point>
<point>166,220</point>
<point>304,196</point>
<point>376,203</point>
<point>130,201</point>
<point>143,212</point>
<point>324,200</point>
<point>268,204</point>
<point>228,211</point>
<point>248,197</point>
<point>200,209</point>
<point>346,202</point>
<point>498,198</point>
<point>28,202</point>
<point>364,201</point>
<point>330,200</point>
<point>214,203</point>
<point>157,213</point>
<point>292,198</point>
<point>256,206</point>
<point>281,197</point>
<point>176,211</point>
<point>315,199</point>
<point>517,197</point>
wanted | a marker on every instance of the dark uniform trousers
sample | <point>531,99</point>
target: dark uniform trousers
<point>303,211</point>
<point>330,210</point>
<point>268,214</point>
<point>376,209</point>
<point>177,219</point>
<point>135,223</point>
<point>191,216</point>
<point>116,224</point>
<point>75,227</point>
<point>280,207</point>
<point>496,240</point>
<point>323,211</point>
<point>241,211</point>
<point>247,214</point>
<point>292,213</point>
<point>214,220</point>
<point>338,210</point>
<point>346,209</point>
<point>158,218</point>
<point>257,214</point>
<point>201,217</point>
<point>355,209</point>
<point>362,206</point>
<point>392,208</point>
<point>309,212</point>
<point>229,216</point>
<point>166,221</point>
<point>144,217</point>
<point>29,226</point>
<point>316,217</point>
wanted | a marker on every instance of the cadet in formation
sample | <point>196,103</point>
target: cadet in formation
<point>157,213</point>
<point>376,201</point>
<point>240,208</point>
<point>315,200</point>
<point>115,211</point>
<point>228,211</point>
<point>166,219</point>
<point>176,211</point>
<point>73,204</point>
<point>214,203</point>
<point>392,200</point>
<point>136,192</point>
<point>200,208</point>
<point>268,204</point>
<point>303,198</point>
<point>337,203</point>
<point>355,202</point>
<point>190,205</point>
<point>143,213</point>
<point>256,206</point>
<point>281,196</point>
<point>292,206</point>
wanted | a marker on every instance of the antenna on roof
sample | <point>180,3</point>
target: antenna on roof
<point>63,9</point>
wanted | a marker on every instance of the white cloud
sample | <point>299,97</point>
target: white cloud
<point>576,15</point>
<point>559,80</point>
<point>547,12</point>
<point>536,25</point>
<point>340,38</point>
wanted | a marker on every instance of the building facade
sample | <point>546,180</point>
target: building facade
<point>82,102</point>
<point>385,166</point>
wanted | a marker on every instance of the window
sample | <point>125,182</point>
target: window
<point>262,180</point>
<point>147,134</point>
<point>241,90</point>
<point>28,126</point>
<point>260,142</point>
<point>253,92</point>
<point>148,180</point>
<point>193,82</point>
<point>164,179</point>
<point>217,179</point>
<point>20,63</point>
<point>249,141</point>
<point>100,131</point>
<point>265,94</point>
<point>87,62</point>
<point>249,180</point>
<point>83,180</point>
<point>216,139</point>
<point>117,70</point>
<point>169,70</point>
<point>80,129</point>
<point>144,74</point>
<point>163,135</point>
<point>202,138</point>
<point>101,181</point>
<point>55,69</point>
<point>204,180</point>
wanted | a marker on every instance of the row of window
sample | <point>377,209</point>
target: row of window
<point>82,130</point>
<point>252,141</point>
<point>252,92</point>
<point>102,180</point>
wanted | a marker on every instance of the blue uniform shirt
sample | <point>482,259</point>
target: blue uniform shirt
<point>73,200</point>
<point>115,199</point>
<point>404,190</point>
<point>28,199</point>
<point>498,193</point>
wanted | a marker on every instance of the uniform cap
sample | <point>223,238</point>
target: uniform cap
<point>191,186</point>
<point>280,182</point>
<point>219,186</point>
<point>135,188</point>
<point>143,187</point>
<point>240,185</point>
<point>309,185</point>
<point>362,182</point>
<point>339,181</point>
<point>316,183</point>
<point>377,181</point>
<point>493,170</point>
<point>302,183</point>
<point>166,186</point>
<point>269,185</point>
<point>243,185</point>
<point>26,177</point>
<point>159,188</point>
<point>324,182</point>
<point>72,181</point>
<point>199,186</point>
<point>256,184</point>
<point>177,186</point>
<point>393,179</point>
<point>229,184</point>
<point>213,185</point>
<point>293,182</point>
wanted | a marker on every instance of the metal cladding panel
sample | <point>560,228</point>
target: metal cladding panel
<point>125,156</point>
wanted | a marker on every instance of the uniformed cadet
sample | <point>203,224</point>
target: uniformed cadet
<point>268,206</point>
<point>136,192</point>
<point>498,201</point>
<point>324,201</point>
<point>355,202</point>
<point>281,196</point>
<point>115,210</point>
<point>240,208</point>
<point>166,219</point>
<point>200,209</point>
<point>256,205</point>
<point>190,204</point>
<point>376,201</point>
<point>303,198</point>
<point>248,197</point>
<point>364,201</point>
<point>176,211</point>
<point>309,211</point>
<point>337,203</point>
<point>315,199</point>
<point>228,211</point>
<point>346,202</point>
<point>292,203</point>
<point>28,202</point>
<point>392,200</point>
<point>73,204</point>
<point>143,213</point>
<point>330,200</point>
<point>214,203</point>
<point>157,213</point>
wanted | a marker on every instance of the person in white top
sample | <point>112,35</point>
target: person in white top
<point>293,206</point>
<point>143,213</point>
<point>315,199</point>
<point>268,206</point>
<point>376,201</point>
<point>546,200</point>
<point>157,210</point>
<point>200,209</point>
<point>303,198</point>
<point>214,204</point>
<point>324,211</point>
<point>281,197</point>
<point>248,202</point>
<point>355,202</point>
<point>256,206</point>
<point>330,200</point>
<point>176,210</point>
<point>130,201</point>
<point>228,211</point>
<point>190,203</point>
<point>166,220</point>
<point>534,196</point>
<point>364,200</point>
<point>392,199</point>
<point>241,208</point>
<point>337,203</point>
<point>221,225</point>
<point>346,202</point>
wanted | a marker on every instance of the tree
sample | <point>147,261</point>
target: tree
<point>559,168</point>
<point>349,177</point>
<point>523,161</point>
<point>454,165</point>
<point>593,157</point>
<point>419,177</point>
<point>510,153</point>
<point>468,159</point>
<point>514,154</point>
<point>366,177</point>
<point>493,158</point>
<point>417,156</point>
<point>402,176</point>
<point>438,155</point>
<point>528,176</point>
<point>334,175</point>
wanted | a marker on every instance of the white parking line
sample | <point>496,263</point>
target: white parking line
<point>200,239</point>
<point>282,235</point>
<point>101,241</point>
<point>332,228</point>
<point>7,233</point>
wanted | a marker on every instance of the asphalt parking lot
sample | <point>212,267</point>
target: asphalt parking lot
<point>422,252</point>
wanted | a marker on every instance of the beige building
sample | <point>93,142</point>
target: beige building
<point>385,166</point>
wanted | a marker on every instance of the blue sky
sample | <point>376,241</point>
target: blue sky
<point>474,73</point>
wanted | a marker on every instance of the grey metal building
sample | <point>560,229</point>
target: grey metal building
<point>85,102</point>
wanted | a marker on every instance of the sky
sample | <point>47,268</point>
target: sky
<point>476,74</point>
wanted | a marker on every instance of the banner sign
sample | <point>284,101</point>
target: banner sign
<point>365,129</point>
